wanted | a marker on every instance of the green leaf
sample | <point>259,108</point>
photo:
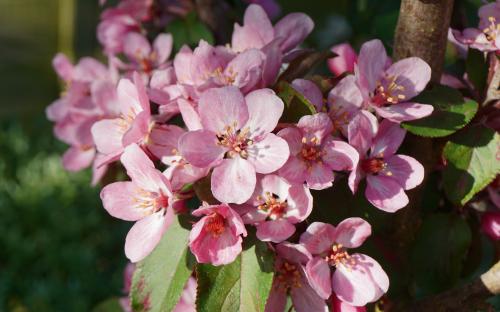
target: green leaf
<point>476,68</point>
<point>304,64</point>
<point>439,252</point>
<point>242,285</point>
<point>471,162</point>
<point>109,305</point>
<point>189,30</point>
<point>296,105</point>
<point>451,113</point>
<point>159,279</point>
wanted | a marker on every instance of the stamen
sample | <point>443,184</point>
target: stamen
<point>215,224</point>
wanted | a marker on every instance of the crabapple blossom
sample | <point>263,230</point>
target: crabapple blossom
<point>310,91</point>
<point>387,175</point>
<point>486,36</point>
<point>216,238</point>
<point>144,57</point>
<point>147,199</point>
<point>388,90</point>
<point>344,61</point>
<point>357,279</point>
<point>236,140</point>
<point>340,306</point>
<point>275,207</point>
<point>291,280</point>
<point>314,153</point>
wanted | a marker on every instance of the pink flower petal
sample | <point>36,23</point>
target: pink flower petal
<point>138,130</point>
<point>136,46</point>
<point>293,29</point>
<point>275,231</point>
<point>119,201</point>
<point>128,97</point>
<point>318,125</point>
<point>245,70</point>
<point>345,100</point>
<point>339,155</point>
<point>274,184</point>
<point>269,154</point>
<point>300,203</point>
<point>277,298</point>
<point>256,32</point>
<point>200,148</point>
<point>344,61</point>
<point>361,283</point>
<point>163,47</point>
<point>361,131</point>
<point>189,115</point>
<point>404,111</point>
<point>295,253</point>
<point>385,193</point>
<point>222,107</point>
<point>77,158</point>
<point>305,299</point>
<point>163,140</point>
<point>389,137</point>
<point>233,181</point>
<point>272,63</point>
<point>319,177</point>
<point>63,66</point>
<point>293,137</point>
<point>406,170</point>
<point>108,135</point>
<point>264,110</point>
<point>182,65</point>
<point>371,63</point>
<point>341,306</point>
<point>354,178</point>
<point>294,170</point>
<point>318,238</point>
<point>319,276</point>
<point>146,234</point>
<point>352,232</point>
<point>412,73</point>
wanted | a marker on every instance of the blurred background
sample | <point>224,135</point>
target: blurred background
<point>59,250</point>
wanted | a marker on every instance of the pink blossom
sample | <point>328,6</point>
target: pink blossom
<point>216,237</point>
<point>490,224</point>
<point>314,153</point>
<point>357,279</point>
<point>344,61</point>
<point>276,206</point>
<point>236,140</point>
<point>487,36</point>
<point>146,199</point>
<point>387,175</point>
<point>187,303</point>
<point>388,91</point>
<point>208,67</point>
<point>271,7</point>
<point>144,56</point>
<point>113,29</point>
<point>291,280</point>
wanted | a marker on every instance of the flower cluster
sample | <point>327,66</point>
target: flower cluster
<point>261,171</point>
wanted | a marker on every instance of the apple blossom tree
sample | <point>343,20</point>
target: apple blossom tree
<point>256,184</point>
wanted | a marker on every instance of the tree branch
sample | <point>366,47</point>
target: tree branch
<point>216,14</point>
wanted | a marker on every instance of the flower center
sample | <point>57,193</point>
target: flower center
<point>492,30</point>
<point>215,224</point>
<point>151,202</point>
<point>311,151</point>
<point>389,92</point>
<point>338,255</point>
<point>288,276</point>
<point>236,141</point>
<point>274,208</point>
<point>373,165</point>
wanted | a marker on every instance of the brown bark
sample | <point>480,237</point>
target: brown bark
<point>216,15</point>
<point>422,31</point>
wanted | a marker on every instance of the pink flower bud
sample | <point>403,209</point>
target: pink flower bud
<point>490,224</point>
<point>345,60</point>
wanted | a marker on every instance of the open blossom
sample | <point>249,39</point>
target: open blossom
<point>389,90</point>
<point>341,306</point>
<point>90,96</point>
<point>387,175</point>
<point>271,7</point>
<point>144,57</point>
<point>486,37</point>
<point>146,199</point>
<point>208,67</point>
<point>314,153</point>
<point>344,61</point>
<point>216,238</point>
<point>357,279</point>
<point>236,140</point>
<point>276,206</point>
<point>291,280</point>
<point>310,91</point>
